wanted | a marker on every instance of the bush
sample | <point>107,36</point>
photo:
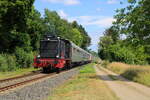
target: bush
<point>29,59</point>
<point>122,54</point>
<point>7,62</point>
<point>21,59</point>
<point>119,53</point>
<point>11,60</point>
<point>141,56</point>
<point>24,59</point>
<point>3,63</point>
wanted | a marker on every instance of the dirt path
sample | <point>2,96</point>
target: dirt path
<point>123,88</point>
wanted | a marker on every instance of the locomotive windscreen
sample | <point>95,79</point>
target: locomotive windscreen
<point>49,49</point>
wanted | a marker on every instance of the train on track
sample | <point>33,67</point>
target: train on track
<point>57,53</point>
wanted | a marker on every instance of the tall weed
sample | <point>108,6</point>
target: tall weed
<point>137,73</point>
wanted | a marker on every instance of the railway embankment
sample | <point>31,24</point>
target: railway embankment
<point>136,73</point>
<point>40,89</point>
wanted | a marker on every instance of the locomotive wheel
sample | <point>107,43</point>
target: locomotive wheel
<point>69,66</point>
<point>46,69</point>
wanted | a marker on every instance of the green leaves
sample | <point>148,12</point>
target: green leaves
<point>13,21</point>
<point>132,1</point>
<point>133,22</point>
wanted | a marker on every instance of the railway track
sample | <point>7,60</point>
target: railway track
<point>15,82</point>
<point>21,76</point>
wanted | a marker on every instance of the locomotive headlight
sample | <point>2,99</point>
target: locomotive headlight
<point>57,56</point>
<point>38,56</point>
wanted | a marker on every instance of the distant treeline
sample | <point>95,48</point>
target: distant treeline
<point>128,39</point>
<point>22,27</point>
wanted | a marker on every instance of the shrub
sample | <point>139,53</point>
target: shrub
<point>29,59</point>
<point>24,59</point>
<point>20,56</point>
<point>141,56</point>
<point>122,54</point>
<point>7,62</point>
<point>126,54</point>
<point>3,63</point>
<point>11,60</point>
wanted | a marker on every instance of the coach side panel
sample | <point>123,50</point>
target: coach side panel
<point>79,55</point>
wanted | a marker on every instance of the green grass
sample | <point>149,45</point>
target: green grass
<point>137,73</point>
<point>18,72</point>
<point>85,86</point>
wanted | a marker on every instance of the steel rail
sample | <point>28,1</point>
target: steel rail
<point>23,82</point>
<point>21,76</point>
<point>15,85</point>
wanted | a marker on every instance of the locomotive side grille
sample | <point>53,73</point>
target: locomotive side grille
<point>48,49</point>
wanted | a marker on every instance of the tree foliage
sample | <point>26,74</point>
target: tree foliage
<point>132,22</point>
<point>13,22</point>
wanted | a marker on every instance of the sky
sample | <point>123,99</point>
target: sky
<point>94,15</point>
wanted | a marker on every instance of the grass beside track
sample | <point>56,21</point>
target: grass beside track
<point>85,86</point>
<point>18,72</point>
<point>137,73</point>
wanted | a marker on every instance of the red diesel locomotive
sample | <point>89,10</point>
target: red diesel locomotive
<point>57,53</point>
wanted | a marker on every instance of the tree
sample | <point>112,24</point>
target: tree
<point>13,22</point>
<point>86,39</point>
<point>36,28</point>
<point>134,22</point>
<point>76,37</point>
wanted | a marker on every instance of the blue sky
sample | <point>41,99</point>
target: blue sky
<point>94,15</point>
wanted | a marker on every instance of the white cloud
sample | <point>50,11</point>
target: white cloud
<point>66,2</point>
<point>62,14</point>
<point>98,9</point>
<point>112,1</point>
<point>104,22</point>
<point>100,21</point>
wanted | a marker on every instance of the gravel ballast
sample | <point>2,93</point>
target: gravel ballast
<point>39,90</point>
